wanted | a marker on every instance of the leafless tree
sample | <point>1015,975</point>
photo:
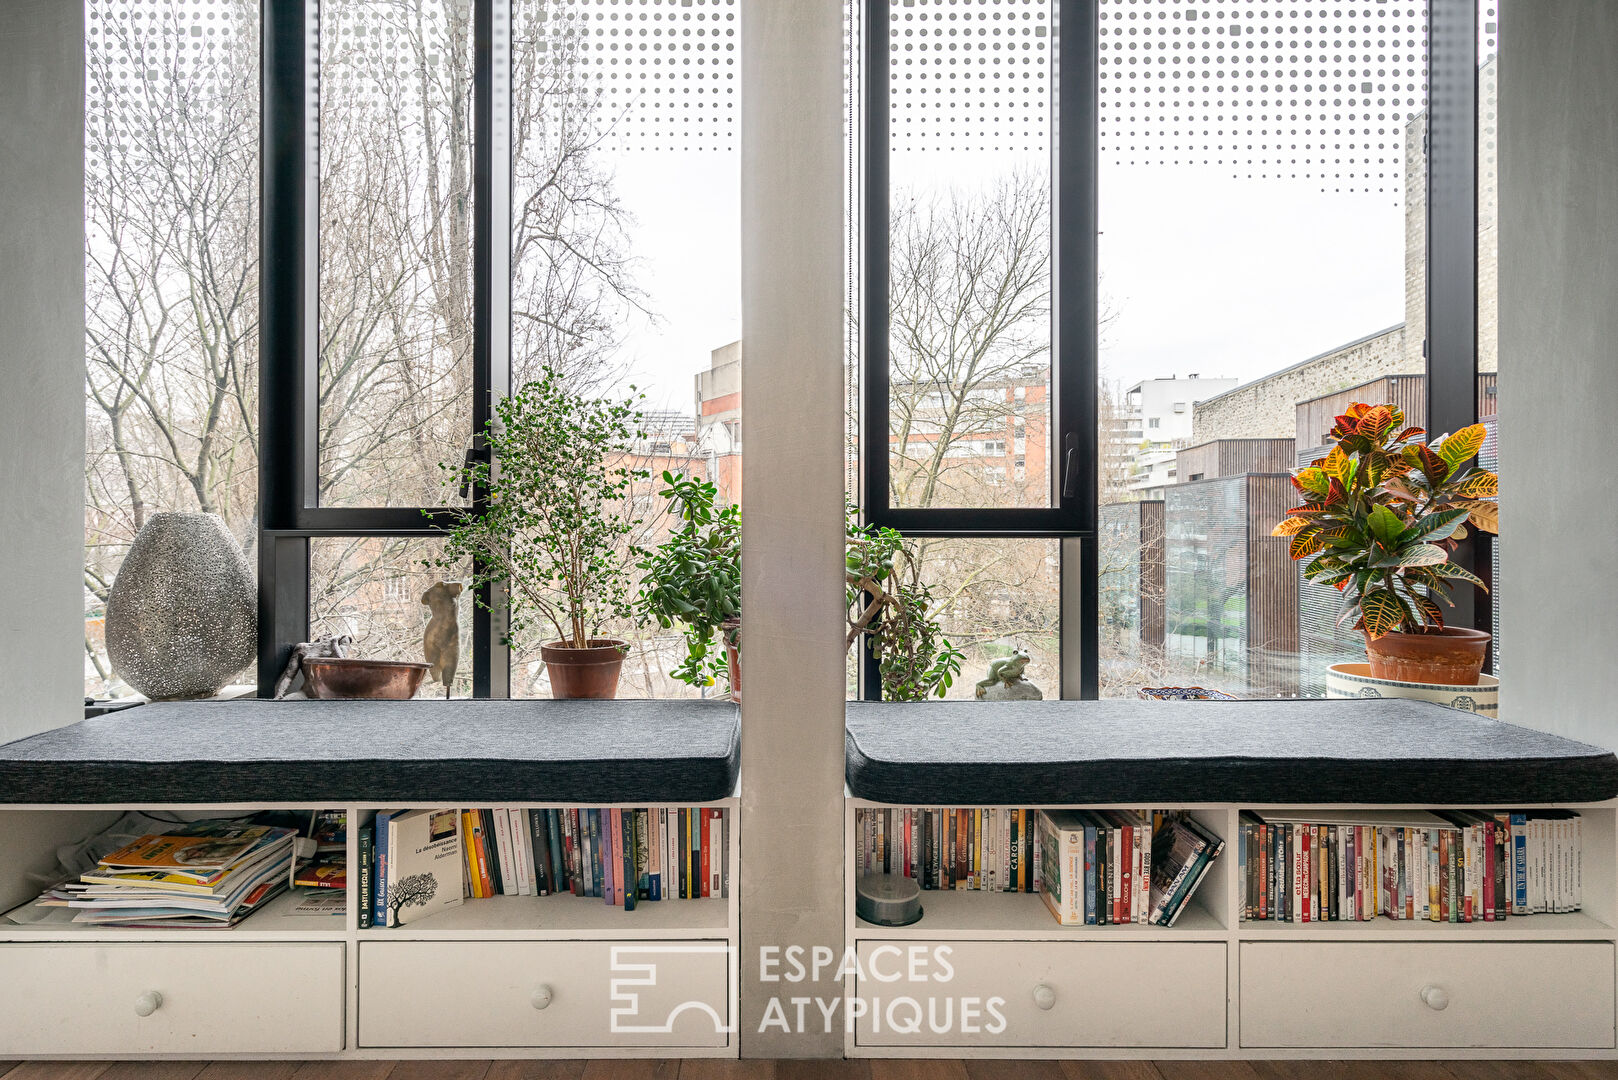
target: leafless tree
<point>969,324</point>
<point>172,258</point>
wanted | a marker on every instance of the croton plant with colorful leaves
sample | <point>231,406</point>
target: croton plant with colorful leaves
<point>1382,513</point>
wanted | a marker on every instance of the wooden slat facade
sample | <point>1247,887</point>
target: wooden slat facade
<point>1233,457</point>
<point>1316,416</point>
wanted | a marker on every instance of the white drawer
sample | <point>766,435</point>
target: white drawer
<point>199,998</point>
<point>1426,994</point>
<point>979,993</point>
<point>536,993</point>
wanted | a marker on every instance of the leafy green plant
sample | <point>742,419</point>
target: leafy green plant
<point>694,578</point>
<point>893,610</point>
<point>1382,513</point>
<point>556,526</point>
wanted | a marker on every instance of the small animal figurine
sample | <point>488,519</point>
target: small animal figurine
<point>441,644</point>
<point>291,680</point>
<point>1007,672</point>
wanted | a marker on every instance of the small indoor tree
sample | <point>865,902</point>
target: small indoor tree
<point>892,608</point>
<point>693,579</point>
<point>1382,512</point>
<point>556,525</point>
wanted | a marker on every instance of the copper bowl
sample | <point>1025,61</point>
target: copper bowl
<point>327,678</point>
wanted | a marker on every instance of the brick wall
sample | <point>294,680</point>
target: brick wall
<point>1266,408</point>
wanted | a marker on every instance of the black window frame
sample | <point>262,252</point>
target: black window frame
<point>1450,342</point>
<point>289,315</point>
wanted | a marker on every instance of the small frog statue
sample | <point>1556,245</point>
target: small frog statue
<point>1006,682</point>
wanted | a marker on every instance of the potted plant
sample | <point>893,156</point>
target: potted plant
<point>893,610</point>
<point>1381,514</point>
<point>556,525</point>
<point>693,580</point>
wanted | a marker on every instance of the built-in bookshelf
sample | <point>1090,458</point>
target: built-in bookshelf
<point>1385,987</point>
<point>524,974</point>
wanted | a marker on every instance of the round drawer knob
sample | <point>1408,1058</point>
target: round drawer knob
<point>1044,997</point>
<point>148,1003</point>
<point>1436,997</point>
<point>541,997</point>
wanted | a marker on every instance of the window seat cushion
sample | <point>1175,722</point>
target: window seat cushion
<point>967,753</point>
<point>452,752</point>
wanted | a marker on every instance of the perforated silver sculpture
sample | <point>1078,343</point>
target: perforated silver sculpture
<point>182,616</point>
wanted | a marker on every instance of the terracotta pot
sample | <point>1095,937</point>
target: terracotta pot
<point>1452,656</point>
<point>732,633</point>
<point>590,672</point>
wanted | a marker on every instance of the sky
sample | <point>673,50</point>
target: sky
<point>1201,271</point>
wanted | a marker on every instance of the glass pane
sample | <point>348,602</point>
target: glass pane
<point>395,249</point>
<point>1262,266</point>
<point>376,590</point>
<point>171,279</point>
<point>994,598</point>
<point>1489,272</point>
<point>625,248</point>
<point>970,253</point>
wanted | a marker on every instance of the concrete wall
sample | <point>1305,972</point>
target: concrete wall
<point>1558,92</point>
<point>1266,408</point>
<point>41,364</point>
<point>792,542</point>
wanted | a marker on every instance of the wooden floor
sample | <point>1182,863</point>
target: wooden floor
<point>809,1070</point>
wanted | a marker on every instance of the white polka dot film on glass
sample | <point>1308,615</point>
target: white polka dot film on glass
<point>1266,89</point>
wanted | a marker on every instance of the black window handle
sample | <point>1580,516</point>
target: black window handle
<point>1070,469</point>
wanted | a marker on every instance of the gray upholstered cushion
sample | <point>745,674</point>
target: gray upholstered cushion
<point>1166,752</point>
<point>376,751</point>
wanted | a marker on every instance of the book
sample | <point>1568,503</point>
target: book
<point>424,864</point>
<point>328,871</point>
<point>379,908</point>
<point>199,849</point>
<point>367,852</point>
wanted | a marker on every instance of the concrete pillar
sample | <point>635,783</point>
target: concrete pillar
<point>1559,364</point>
<point>41,365</point>
<point>792,540</point>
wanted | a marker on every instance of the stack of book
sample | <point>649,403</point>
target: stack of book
<point>622,856</point>
<point>1106,867</point>
<point>1445,866</point>
<point>327,865</point>
<point>209,874</point>
<point>985,849</point>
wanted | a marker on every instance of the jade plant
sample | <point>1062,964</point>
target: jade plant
<point>1383,512</point>
<point>556,523</point>
<point>893,609</point>
<point>693,579</point>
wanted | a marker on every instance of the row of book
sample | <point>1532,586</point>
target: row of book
<point>1454,866</point>
<point>417,862</point>
<point>1106,867</point>
<point>988,849</point>
<point>200,874</point>
<point>1091,867</point>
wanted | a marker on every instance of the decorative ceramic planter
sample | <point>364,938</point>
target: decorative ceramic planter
<point>1356,681</point>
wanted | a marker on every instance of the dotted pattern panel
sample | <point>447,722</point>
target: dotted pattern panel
<point>378,59</point>
<point>1488,108</point>
<point>970,74</point>
<point>148,52</point>
<point>663,73</point>
<point>1268,89</point>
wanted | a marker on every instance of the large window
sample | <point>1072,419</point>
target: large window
<point>458,194</point>
<point>171,279</point>
<point>1284,227</point>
